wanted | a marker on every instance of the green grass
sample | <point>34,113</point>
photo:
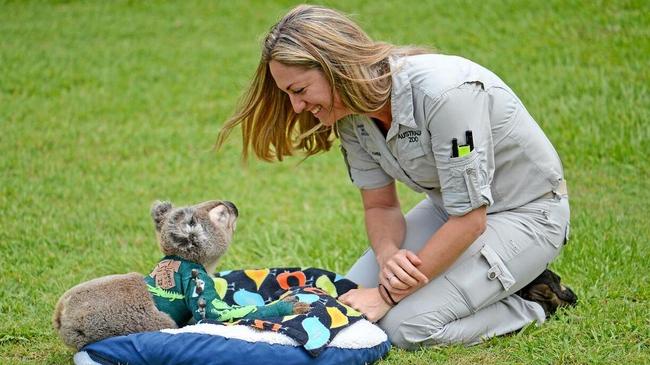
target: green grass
<point>107,106</point>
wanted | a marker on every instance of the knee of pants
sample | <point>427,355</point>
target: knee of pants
<point>417,331</point>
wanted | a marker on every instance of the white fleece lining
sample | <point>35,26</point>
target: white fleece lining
<point>82,358</point>
<point>359,335</point>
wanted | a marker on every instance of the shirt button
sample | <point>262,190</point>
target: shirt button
<point>469,171</point>
<point>492,275</point>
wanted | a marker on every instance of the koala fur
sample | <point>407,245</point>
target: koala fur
<point>191,237</point>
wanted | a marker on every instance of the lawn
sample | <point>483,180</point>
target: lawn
<point>108,106</point>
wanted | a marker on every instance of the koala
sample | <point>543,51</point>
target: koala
<point>177,290</point>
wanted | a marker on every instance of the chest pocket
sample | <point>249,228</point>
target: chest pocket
<point>410,152</point>
<point>410,145</point>
<point>416,162</point>
<point>382,157</point>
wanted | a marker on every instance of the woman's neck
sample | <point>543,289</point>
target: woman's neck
<point>383,117</point>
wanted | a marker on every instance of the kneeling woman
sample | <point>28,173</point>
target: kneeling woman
<point>469,261</point>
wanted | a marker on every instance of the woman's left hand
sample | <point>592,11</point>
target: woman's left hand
<point>400,274</point>
<point>367,301</point>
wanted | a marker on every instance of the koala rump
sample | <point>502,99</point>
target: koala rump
<point>109,306</point>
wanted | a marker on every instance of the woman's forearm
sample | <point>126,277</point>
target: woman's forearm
<point>385,222</point>
<point>447,244</point>
<point>386,228</point>
<point>450,241</point>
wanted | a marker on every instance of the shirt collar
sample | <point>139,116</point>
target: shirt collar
<point>401,97</point>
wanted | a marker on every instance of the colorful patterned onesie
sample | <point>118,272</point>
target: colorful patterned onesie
<point>177,292</point>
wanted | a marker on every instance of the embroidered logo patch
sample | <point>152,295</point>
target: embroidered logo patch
<point>163,273</point>
<point>413,135</point>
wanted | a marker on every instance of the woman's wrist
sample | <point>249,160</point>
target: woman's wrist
<point>387,252</point>
<point>386,296</point>
<point>401,294</point>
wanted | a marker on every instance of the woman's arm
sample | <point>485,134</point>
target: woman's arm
<point>386,228</point>
<point>445,246</point>
<point>385,223</point>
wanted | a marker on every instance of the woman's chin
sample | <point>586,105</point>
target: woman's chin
<point>328,122</point>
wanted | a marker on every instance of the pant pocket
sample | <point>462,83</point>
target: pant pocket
<point>481,279</point>
<point>548,218</point>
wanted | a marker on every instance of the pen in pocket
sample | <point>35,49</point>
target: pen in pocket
<point>462,150</point>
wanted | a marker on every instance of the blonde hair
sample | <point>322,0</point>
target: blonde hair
<point>312,37</point>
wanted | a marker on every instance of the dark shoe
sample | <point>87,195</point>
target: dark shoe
<point>547,291</point>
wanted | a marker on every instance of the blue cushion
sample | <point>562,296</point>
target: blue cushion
<point>198,348</point>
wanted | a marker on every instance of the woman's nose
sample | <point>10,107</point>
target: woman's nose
<point>297,103</point>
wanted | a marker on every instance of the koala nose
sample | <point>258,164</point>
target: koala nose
<point>232,207</point>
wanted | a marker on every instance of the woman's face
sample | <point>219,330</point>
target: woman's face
<point>309,91</point>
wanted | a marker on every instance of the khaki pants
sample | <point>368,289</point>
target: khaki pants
<point>473,300</point>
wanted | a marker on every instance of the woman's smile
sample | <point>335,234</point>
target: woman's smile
<point>309,91</point>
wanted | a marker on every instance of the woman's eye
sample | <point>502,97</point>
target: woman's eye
<point>299,91</point>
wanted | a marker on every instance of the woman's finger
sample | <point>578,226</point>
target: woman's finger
<point>412,269</point>
<point>396,284</point>
<point>401,265</point>
<point>415,259</point>
<point>401,276</point>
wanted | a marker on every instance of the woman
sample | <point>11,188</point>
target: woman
<point>496,212</point>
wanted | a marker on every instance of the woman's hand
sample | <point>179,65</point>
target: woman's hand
<point>399,273</point>
<point>367,301</point>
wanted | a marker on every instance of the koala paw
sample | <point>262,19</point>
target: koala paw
<point>301,308</point>
<point>298,306</point>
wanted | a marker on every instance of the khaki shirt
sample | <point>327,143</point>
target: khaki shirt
<point>435,98</point>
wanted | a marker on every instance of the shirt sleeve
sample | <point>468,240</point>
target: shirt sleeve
<point>465,181</point>
<point>364,171</point>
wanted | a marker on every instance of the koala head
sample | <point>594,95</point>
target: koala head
<point>200,233</point>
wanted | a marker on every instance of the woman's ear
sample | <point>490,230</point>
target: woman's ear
<point>159,211</point>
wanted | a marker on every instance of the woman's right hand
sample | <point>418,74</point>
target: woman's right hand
<point>399,273</point>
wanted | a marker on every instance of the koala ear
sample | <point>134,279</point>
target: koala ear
<point>159,211</point>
